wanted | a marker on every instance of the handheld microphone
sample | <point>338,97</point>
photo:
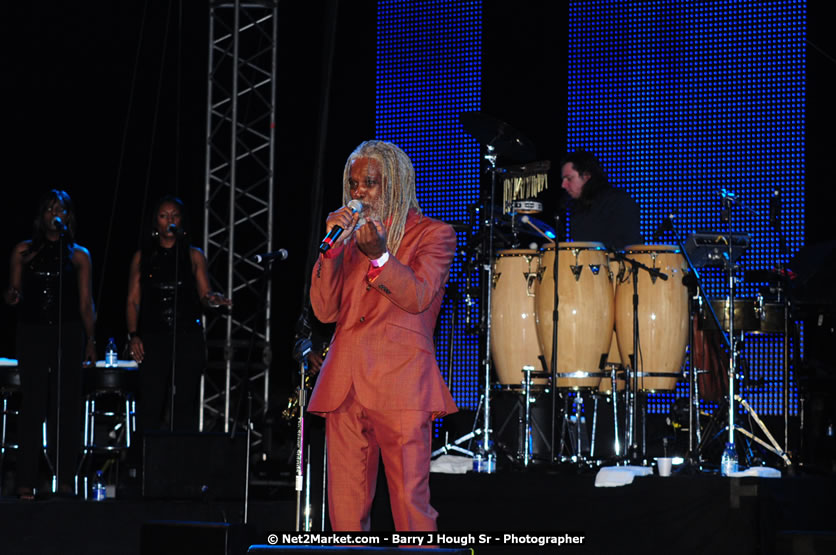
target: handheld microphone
<point>281,254</point>
<point>172,228</point>
<point>58,224</point>
<point>332,236</point>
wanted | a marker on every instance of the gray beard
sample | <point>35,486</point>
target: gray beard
<point>371,212</point>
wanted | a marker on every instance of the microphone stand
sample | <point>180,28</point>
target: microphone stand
<point>555,322</point>
<point>247,392</point>
<point>172,393</point>
<point>729,200</point>
<point>59,365</point>
<point>632,383</point>
<point>302,483</point>
<point>693,393</point>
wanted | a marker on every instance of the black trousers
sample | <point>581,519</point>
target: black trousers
<point>37,352</point>
<point>154,403</point>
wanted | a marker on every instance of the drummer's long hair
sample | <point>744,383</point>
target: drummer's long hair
<point>398,186</point>
<point>586,162</point>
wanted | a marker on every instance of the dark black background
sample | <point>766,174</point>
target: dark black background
<point>107,100</point>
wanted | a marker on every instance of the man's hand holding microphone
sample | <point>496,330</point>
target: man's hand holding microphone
<point>371,236</point>
<point>337,222</point>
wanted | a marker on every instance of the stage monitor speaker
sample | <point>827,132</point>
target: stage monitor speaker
<point>173,537</point>
<point>205,466</point>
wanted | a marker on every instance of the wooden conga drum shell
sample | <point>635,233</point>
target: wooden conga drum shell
<point>514,342</point>
<point>662,316</point>
<point>585,312</point>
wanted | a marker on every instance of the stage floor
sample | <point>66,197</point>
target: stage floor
<point>697,513</point>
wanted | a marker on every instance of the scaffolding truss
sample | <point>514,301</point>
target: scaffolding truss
<point>238,210</point>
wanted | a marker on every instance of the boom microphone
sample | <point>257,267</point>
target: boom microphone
<point>332,236</point>
<point>280,254</point>
<point>663,226</point>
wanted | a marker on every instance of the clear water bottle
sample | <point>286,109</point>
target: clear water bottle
<point>110,354</point>
<point>483,461</point>
<point>728,462</point>
<point>99,487</point>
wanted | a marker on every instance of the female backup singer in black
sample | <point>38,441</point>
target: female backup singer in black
<point>167,290</point>
<point>50,283</point>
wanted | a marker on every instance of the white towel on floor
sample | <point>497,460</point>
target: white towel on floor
<point>614,476</point>
<point>451,464</point>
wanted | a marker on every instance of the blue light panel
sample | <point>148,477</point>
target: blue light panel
<point>429,66</point>
<point>683,99</point>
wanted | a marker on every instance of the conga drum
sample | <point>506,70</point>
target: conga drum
<point>662,316</point>
<point>513,327</point>
<point>585,311</point>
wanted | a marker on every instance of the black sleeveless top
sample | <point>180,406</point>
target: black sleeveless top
<point>157,312</point>
<point>42,275</point>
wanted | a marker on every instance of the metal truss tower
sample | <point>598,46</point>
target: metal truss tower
<point>238,210</point>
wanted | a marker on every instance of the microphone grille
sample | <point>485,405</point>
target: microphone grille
<point>355,205</point>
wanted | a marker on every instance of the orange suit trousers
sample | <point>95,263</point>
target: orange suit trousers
<point>356,437</point>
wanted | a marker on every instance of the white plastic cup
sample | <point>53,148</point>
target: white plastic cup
<point>663,465</point>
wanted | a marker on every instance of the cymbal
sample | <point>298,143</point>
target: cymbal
<point>497,134</point>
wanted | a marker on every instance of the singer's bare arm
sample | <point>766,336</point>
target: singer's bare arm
<point>137,349</point>
<point>87,310</point>
<point>12,294</point>
<point>208,297</point>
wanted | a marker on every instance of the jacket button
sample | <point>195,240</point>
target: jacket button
<point>368,287</point>
<point>362,318</point>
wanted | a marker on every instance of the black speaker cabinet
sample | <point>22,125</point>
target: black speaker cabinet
<point>205,466</point>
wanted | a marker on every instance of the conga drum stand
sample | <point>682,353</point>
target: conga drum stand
<point>633,372</point>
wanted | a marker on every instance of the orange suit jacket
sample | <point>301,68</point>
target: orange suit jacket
<point>383,342</point>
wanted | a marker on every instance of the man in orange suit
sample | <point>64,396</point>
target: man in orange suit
<point>379,388</point>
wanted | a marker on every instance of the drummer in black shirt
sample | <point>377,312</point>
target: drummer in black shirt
<point>598,211</point>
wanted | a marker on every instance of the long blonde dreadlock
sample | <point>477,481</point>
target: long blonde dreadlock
<point>398,186</point>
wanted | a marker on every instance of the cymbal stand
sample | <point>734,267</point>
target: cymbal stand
<point>474,432</point>
<point>453,290</point>
<point>726,212</point>
<point>693,386</point>
<point>729,200</point>
<point>784,290</point>
<point>487,449</point>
